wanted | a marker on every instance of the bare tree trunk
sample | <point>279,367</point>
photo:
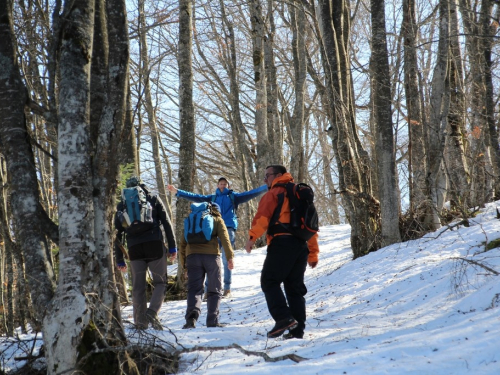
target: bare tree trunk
<point>76,213</point>
<point>7,249</point>
<point>21,175</point>
<point>258,27</point>
<point>244,157</point>
<point>481,169</point>
<point>455,158</point>
<point>274,128</point>
<point>84,305</point>
<point>489,26</point>
<point>113,73</point>
<point>145,71</point>
<point>186,116</point>
<point>362,210</point>
<point>299,63</point>
<point>440,102</point>
<point>115,115</point>
<point>384,138</point>
<point>416,147</point>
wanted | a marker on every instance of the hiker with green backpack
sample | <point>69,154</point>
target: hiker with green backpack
<point>139,216</point>
<point>228,201</point>
<point>199,256</point>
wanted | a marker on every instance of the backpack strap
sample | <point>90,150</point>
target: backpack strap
<point>275,226</point>
<point>231,196</point>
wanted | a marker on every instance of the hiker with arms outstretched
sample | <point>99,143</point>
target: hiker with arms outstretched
<point>228,202</point>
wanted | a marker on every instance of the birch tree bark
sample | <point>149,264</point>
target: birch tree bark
<point>384,139</point>
<point>21,174</point>
<point>84,307</point>
<point>70,313</point>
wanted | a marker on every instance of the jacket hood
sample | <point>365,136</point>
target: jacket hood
<point>287,177</point>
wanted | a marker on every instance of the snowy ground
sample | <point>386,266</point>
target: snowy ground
<point>430,306</point>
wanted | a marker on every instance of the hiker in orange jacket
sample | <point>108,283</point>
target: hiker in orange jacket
<point>286,260</point>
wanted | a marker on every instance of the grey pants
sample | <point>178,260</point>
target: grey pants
<point>199,265</point>
<point>158,270</point>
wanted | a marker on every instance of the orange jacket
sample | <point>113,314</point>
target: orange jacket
<point>267,205</point>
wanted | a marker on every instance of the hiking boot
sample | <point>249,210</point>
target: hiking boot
<point>153,319</point>
<point>216,325</point>
<point>293,334</point>
<point>281,327</point>
<point>190,323</point>
<point>227,293</point>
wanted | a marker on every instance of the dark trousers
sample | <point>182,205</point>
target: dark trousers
<point>286,263</point>
<point>144,256</point>
<point>199,265</point>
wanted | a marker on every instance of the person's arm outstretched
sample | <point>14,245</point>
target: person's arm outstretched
<point>246,196</point>
<point>188,195</point>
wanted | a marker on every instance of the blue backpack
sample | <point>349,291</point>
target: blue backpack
<point>137,214</point>
<point>199,225</point>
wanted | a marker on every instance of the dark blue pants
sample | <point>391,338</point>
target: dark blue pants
<point>286,263</point>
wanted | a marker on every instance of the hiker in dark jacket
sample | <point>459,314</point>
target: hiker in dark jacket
<point>204,259</point>
<point>228,202</point>
<point>147,251</point>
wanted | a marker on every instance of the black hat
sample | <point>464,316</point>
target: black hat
<point>133,181</point>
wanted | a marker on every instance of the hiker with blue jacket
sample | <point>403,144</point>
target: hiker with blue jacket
<point>201,259</point>
<point>146,250</point>
<point>228,202</point>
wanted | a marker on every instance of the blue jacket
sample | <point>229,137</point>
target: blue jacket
<point>223,199</point>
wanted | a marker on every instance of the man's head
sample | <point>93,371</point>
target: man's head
<point>273,171</point>
<point>133,181</point>
<point>222,184</point>
<point>215,207</point>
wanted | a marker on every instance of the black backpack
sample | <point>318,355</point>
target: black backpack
<point>304,222</point>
